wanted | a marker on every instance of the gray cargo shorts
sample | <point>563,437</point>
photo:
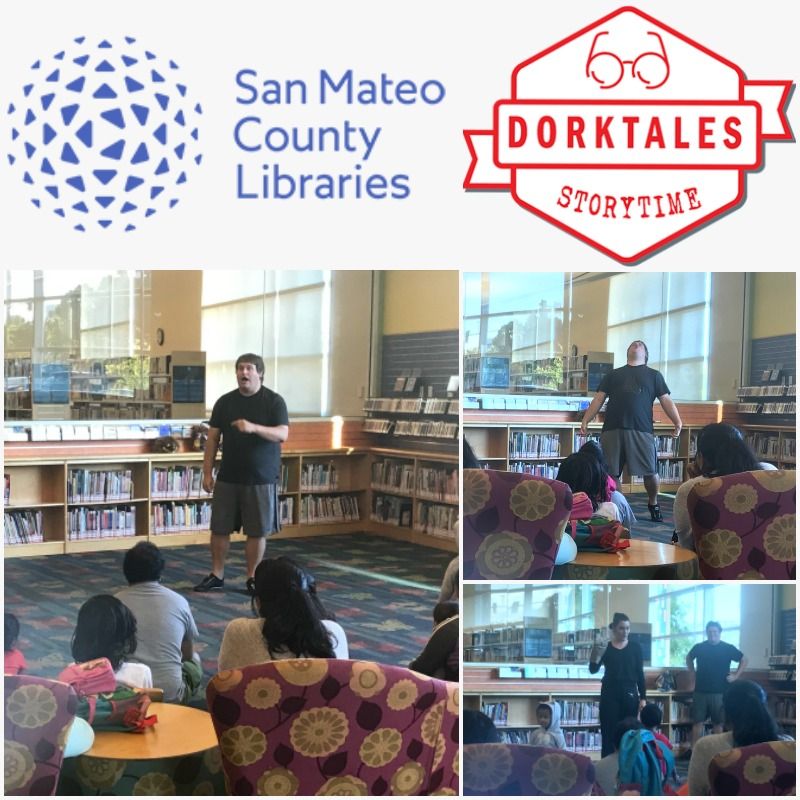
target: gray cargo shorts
<point>242,506</point>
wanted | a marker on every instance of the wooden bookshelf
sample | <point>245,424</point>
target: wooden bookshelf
<point>321,492</point>
<point>775,444</point>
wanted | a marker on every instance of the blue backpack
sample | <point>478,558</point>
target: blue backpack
<point>643,763</point>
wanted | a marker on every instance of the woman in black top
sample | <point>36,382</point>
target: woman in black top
<point>622,691</point>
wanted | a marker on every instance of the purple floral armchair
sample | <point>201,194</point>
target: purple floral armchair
<point>325,727</point>
<point>38,713</point>
<point>523,770</point>
<point>513,524</point>
<point>744,525</point>
<point>759,769</point>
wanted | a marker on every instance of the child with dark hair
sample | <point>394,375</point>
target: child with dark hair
<point>606,768</point>
<point>291,622</point>
<point>749,721</point>
<point>14,660</point>
<point>721,450</point>
<point>107,629</point>
<point>584,473</point>
<point>592,449</point>
<point>651,718</point>
<point>479,728</point>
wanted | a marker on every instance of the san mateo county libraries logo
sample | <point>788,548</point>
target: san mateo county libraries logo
<point>628,135</point>
<point>104,135</point>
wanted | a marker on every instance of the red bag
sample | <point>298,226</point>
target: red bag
<point>91,677</point>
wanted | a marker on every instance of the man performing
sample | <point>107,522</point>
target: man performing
<point>627,436</point>
<point>711,678</point>
<point>252,421</point>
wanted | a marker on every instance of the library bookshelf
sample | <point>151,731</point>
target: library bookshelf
<point>85,503</point>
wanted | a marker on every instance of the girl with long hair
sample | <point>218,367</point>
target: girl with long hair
<point>291,623</point>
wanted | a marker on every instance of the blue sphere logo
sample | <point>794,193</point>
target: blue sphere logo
<point>104,135</point>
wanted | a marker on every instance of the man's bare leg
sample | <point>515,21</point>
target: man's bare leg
<point>219,552</point>
<point>254,549</point>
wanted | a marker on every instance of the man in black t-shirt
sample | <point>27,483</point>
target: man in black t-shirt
<point>711,678</point>
<point>252,421</point>
<point>627,436</point>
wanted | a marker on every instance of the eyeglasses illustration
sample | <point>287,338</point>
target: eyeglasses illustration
<point>608,69</point>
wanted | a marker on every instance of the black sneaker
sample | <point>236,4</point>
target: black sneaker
<point>211,583</point>
<point>655,513</point>
<point>251,586</point>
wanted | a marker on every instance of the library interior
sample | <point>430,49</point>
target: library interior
<point>111,455</point>
<point>560,371</point>
<point>541,667</point>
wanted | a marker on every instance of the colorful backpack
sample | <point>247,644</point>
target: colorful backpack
<point>643,762</point>
<point>594,532</point>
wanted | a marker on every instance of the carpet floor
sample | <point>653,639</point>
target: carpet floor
<point>381,591</point>
<point>644,528</point>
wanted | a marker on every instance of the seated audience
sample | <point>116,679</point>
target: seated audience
<point>440,657</point>
<point>14,660</point>
<point>291,622</point>
<point>612,494</point>
<point>721,450</point>
<point>479,728</point>
<point>644,761</point>
<point>607,768</point>
<point>584,473</point>
<point>549,733</point>
<point>107,629</point>
<point>166,627</point>
<point>749,721</point>
<point>651,717</point>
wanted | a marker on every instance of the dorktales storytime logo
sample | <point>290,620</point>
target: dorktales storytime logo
<point>104,134</point>
<point>628,135</point>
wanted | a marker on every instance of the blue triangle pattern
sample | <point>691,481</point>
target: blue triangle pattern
<point>127,207</point>
<point>84,133</point>
<point>172,64</point>
<point>181,88</point>
<point>156,76</point>
<point>29,149</point>
<point>133,182</point>
<point>59,56</point>
<point>105,200</point>
<point>104,223</point>
<point>181,178</point>
<point>77,183</point>
<point>68,155</point>
<point>195,134</point>
<point>140,112</point>
<point>163,166</point>
<point>79,39</point>
<point>53,190</point>
<point>105,92</point>
<point>11,159</point>
<point>46,100</point>
<point>179,118</point>
<point>11,108</point>
<point>198,108</point>
<point>26,89</point>
<point>36,202</point>
<point>198,159</point>
<point>68,113</point>
<point>180,149</point>
<point>30,117</point>
<point>114,150</point>
<point>82,207</point>
<point>53,76</point>
<point>27,178</point>
<point>79,228</point>
<point>150,56</point>
<point>59,211</point>
<point>36,64</point>
<point>105,44</point>
<point>132,85</point>
<point>129,61</point>
<point>149,212</point>
<point>81,60</point>
<point>173,202</point>
<point>155,191</point>
<point>141,154</point>
<point>14,134</point>
<point>114,116</point>
<point>104,175</point>
<point>130,39</point>
<point>77,84</point>
<point>48,134</point>
<point>160,133</point>
<point>163,100</point>
<point>130,228</point>
<point>47,167</point>
<point>104,66</point>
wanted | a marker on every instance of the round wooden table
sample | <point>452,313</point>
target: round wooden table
<point>178,755</point>
<point>643,559</point>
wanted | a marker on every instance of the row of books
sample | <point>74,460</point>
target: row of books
<point>590,635</point>
<point>497,712</point>
<point>494,653</point>
<point>430,405</point>
<point>571,653</point>
<point>391,510</point>
<point>177,481</point>
<point>766,446</point>
<point>437,482</point>
<point>583,741</point>
<point>435,430</point>
<point>286,510</point>
<point>173,517</point>
<point>89,485</point>
<point>766,408</point>
<point>501,636</point>
<point>319,476</point>
<point>339,508</point>
<point>378,425</point>
<point>393,474</point>
<point>765,391</point>
<point>22,527</point>
<point>580,712</point>
<point>666,445</point>
<point>95,523</point>
<point>786,708</point>
<point>540,470</point>
<point>533,445</point>
<point>582,438</point>
<point>668,472</point>
<point>96,411</point>
<point>437,520</point>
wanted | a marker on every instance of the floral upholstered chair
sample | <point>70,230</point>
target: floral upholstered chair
<point>513,524</point>
<point>759,769</point>
<point>523,770</point>
<point>38,715</point>
<point>327,727</point>
<point>744,525</point>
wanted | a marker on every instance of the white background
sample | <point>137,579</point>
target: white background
<point>470,47</point>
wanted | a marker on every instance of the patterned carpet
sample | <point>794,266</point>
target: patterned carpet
<point>644,528</point>
<point>381,591</point>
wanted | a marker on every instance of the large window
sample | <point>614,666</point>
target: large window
<point>282,316</point>
<point>679,616</point>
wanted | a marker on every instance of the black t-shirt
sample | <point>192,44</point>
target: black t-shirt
<point>631,392</point>
<point>714,665</point>
<point>623,666</point>
<point>247,458</point>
